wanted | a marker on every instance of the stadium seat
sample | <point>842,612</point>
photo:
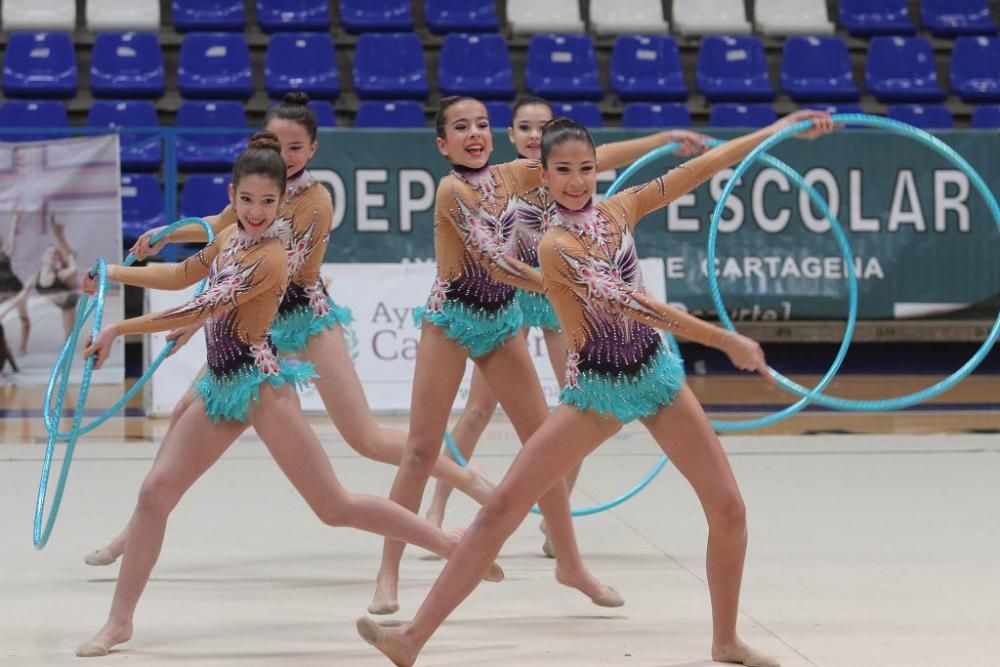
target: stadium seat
<point>204,194</point>
<point>192,15</point>
<point>902,69</point>
<point>792,17</point>
<point>208,151</point>
<point>127,64</point>
<point>376,15</point>
<point>817,68</point>
<point>627,16</point>
<point>742,115</point>
<point>711,17</point>
<point>948,18</point>
<point>563,67</point>
<point>293,15</point>
<point>325,117</point>
<point>301,61</point>
<point>142,206</point>
<point>113,15</point>
<point>876,17</point>
<point>390,66</point>
<point>40,65</point>
<point>834,107</point>
<point>215,65</point>
<point>477,65</point>
<point>647,67</point>
<point>400,113</point>
<point>585,113</point>
<point>975,69</point>
<point>445,16</point>
<point>927,117</point>
<point>21,114</point>
<point>532,16</point>
<point>38,15</point>
<point>733,69</point>
<point>986,117</point>
<point>501,114</point>
<point>138,152</point>
<point>648,114</point>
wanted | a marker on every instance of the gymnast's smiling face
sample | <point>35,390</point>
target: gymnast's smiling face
<point>256,200</point>
<point>570,173</point>
<point>468,137</point>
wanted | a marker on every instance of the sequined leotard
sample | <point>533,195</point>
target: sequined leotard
<point>246,282</point>
<point>473,296</point>
<point>617,364</point>
<point>533,217</point>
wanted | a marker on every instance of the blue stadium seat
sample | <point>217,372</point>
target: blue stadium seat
<point>192,15</point>
<point>139,152</point>
<point>648,114</point>
<point>23,114</point>
<point>301,61</point>
<point>585,113</point>
<point>986,117</point>
<point>817,68</point>
<point>958,17</point>
<point>142,206</point>
<point>376,15</point>
<point>291,15</point>
<point>461,15</point>
<point>325,117</point>
<point>390,66</point>
<point>742,115</point>
<point>647,67</point>
<point>40,65</point>
<point>901,69</point>
<point>201,151</point>
<point>563,67</point>
<point>204,194</point>
<point>477,65</point>
<point>501,114</point>
<point>876,17</point>
<point>975,69</point>
<point>215,65</point>
<point>733,69</point>
<point>399,113</point>
<point>834,107</point>
<point>127,65</point>
<point>927,117</point>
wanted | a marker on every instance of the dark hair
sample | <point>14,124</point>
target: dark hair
<point>560,130</point>
<point>294,107</point>
<point>445,104</point>
<point>262,157</point>
<point>529,101</point>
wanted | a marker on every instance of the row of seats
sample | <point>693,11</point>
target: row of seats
<point>142,200</point>
<point>391,66</point>
<point>699,17</point>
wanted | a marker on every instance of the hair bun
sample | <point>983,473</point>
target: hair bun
<point>296,97</point>
<point>266,141</point>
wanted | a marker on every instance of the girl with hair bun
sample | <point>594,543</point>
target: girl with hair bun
<point>246,384</point>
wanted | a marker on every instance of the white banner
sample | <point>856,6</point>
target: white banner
<point>382,339</point>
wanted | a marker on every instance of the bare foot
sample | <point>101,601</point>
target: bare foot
<point>107,638</point>
<point>739,653</point>
<point>586,583</point>
<point>389,642</point>
<point>102,556</point>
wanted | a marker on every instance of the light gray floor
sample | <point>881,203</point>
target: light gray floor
<point>864,550</point>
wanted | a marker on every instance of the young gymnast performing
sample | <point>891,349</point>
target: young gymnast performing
<point>246,384</point>
<point>473,313</point>
<point>530,114</point>
<point>619,370</point>
<point>309,324</point>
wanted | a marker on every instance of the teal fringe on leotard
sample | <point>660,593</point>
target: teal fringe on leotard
<point>478,331</point>
<point>291,331</point>
<point>537,310</point>
<point>626,397</point>
<point>230,397</point>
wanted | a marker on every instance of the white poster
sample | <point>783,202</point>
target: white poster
<point>60,210</point>
<point>382,339</point>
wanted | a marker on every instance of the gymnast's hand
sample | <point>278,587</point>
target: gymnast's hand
<point>89,286</point>
<point>181,337</point>
<point>691,143</point>
<point>100,347</point>
<point>746,354</point>
<point>822,123</point>
<point>142,248</point>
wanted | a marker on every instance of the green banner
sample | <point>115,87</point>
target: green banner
<point>924,241</point>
